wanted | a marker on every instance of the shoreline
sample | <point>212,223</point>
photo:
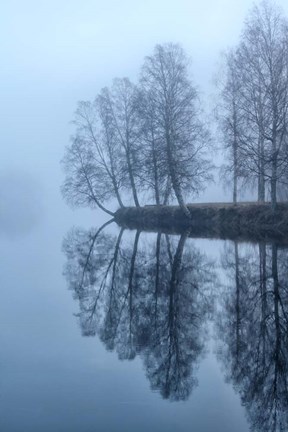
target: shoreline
<point>248,221</point>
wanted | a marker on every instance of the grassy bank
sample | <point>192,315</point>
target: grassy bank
<point>244,221</point>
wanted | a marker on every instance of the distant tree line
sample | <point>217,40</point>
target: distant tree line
<point>148,142</point>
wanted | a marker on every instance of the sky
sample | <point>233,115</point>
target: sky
<point>59,52</point>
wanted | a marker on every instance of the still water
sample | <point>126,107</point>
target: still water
<point>105,329</point>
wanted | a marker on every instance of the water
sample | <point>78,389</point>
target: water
<point>134,331</point>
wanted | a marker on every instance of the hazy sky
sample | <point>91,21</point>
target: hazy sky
<point>55,53</point>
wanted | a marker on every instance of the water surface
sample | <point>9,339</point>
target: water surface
<point>126,330</point>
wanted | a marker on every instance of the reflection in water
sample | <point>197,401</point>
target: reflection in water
<point>148,299</point>
<point>252,327</point>
<point>154,296</point>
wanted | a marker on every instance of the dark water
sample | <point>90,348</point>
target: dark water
<point>125,331</point>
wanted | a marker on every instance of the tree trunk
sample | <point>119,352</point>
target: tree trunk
<point>156,179</point>
<point>261,174</point>
<point>131,178</point>
<point>116,190</point>
<point>261,188</point>
<point>235,153</point>
<point>235,186</point>
<point>174,179</point>
<point>274,182</point>
<point>114,181</point>
<point>98,203</point>
<point>274,149</point>
<point>167,191</point>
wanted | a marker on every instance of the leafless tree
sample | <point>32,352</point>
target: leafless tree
<point>121,104</point>
<point>230,120</point>
<point>110,145</point>
<point>92,164</point>
<point>263,66</point>
<point>154,170</point>
<point>86,182</point>
<point>103,158</point>
<point>177,116</point>
<point>149,138</point>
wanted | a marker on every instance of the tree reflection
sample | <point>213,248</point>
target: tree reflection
<point>253,329</point>
<point>177,332</point>
<point>147,297</point>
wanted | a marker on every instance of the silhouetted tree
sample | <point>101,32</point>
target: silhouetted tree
<point>86,181</point>
<point>177,119</point>
<point>121,108</point>
<point>231,123</point>
<point>102,159</point>
<point>154,172</point>
<point>261,67</point>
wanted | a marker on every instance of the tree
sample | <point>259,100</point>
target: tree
<point>110,144</point>
<point>104,157</point>
<point>86,181</point>
<point>177,118</point>
<point>230,120</point>
<point>148,138</point>
<point>121,105</point>
<point>262,63</point>
<point>92,166</point>
<point>154,172</point>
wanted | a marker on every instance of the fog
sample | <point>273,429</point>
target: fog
<point>54,54</point>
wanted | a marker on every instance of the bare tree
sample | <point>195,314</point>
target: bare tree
<point>154,171</point>
<point>121,105</point>
<point>104,158</point>
<point>149,137</point>
<point>230,119</point>
<point>92,165</point>
<point>263,67</point>
<point>86,181</point>
<point>110,145</point>
<point>252,102</point>
<point>177,116</point>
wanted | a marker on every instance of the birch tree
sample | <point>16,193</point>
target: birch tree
<point>230,119</point>
<point>93,171</point>
<point>177,115</point>
<point>263,63</point>
<point>154,170</point>
<point>121,101</point>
